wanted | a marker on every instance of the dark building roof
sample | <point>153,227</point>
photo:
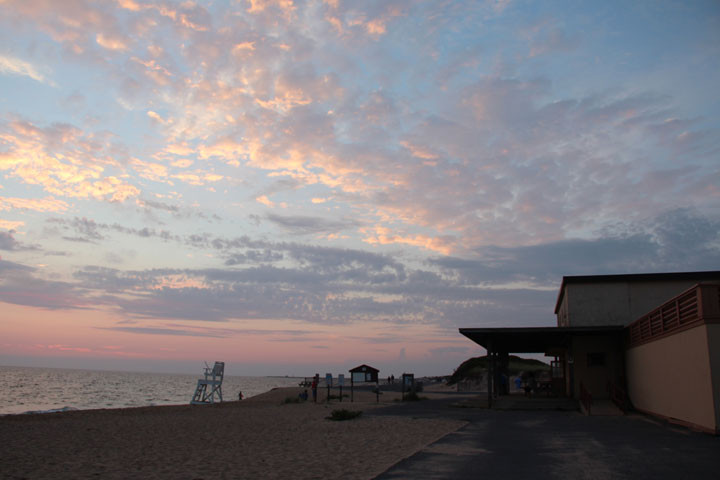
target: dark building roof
<point>532,339</point>
<point>635,277</point>
<point>364,368</point>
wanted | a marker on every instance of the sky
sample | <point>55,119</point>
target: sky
<point>296,187</point>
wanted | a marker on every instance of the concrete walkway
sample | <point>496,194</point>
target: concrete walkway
<point>554,444</point>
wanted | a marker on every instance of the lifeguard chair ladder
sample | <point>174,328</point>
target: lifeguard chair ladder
<point>210,386</point>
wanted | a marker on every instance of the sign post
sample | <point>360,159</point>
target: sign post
<point>408,383</point>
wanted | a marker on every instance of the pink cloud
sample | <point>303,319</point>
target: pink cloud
<point>10,224</point>
<point>47,204</point>
<point>111,43</point>
<point>386,236</point>
<point>64,161</point>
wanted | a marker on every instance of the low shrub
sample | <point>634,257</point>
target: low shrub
<point>340,415</point>
<point>413,397</point>
<point>337,397</point>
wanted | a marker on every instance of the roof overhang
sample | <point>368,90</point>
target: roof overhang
<point>533,339</point>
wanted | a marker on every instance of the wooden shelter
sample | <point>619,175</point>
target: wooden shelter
<point>364,373</point>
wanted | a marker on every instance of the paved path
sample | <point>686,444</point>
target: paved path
<point>549,444</point>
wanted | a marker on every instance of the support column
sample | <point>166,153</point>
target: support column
<point>491,372</point>
<point>571,370</point>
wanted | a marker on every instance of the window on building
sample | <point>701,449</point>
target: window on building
<point>596,359</point>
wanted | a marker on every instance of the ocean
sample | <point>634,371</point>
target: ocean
<point>31,389</point>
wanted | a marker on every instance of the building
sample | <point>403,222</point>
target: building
<point>650,340</point>
<point>364,373</point>
<point>619,299</point>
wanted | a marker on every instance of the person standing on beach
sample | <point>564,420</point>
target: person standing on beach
<point>314,387</point>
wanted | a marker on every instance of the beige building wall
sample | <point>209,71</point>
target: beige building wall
<point>672,377</point>
<point>713,331</point>
<point>614,303</point>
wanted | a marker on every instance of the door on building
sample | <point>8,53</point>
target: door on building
<point>557,370</point>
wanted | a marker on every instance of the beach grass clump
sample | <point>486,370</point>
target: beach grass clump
<point>337,397</point>
<point>343,414</point>
<point>412,396</point>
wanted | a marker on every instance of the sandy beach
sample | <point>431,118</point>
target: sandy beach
<point>260,437</point>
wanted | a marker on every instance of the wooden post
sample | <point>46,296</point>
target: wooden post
<point>341,382</point>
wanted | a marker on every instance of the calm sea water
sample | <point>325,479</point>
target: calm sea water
<point>28,389</point>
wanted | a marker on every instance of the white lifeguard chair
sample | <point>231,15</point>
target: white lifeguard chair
<point>210,386</point>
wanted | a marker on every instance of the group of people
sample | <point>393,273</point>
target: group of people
<point>524,382</point>
<point>527,383</point>
<point>303,396</point>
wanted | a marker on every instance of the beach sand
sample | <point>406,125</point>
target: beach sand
<point>260,437</point>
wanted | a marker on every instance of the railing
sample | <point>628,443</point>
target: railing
<point>618,396</point>
<point>586,399</point>
<point>691,307</point>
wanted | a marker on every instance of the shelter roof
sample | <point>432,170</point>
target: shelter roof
<point>532,339</point>
<point>364,368</point>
